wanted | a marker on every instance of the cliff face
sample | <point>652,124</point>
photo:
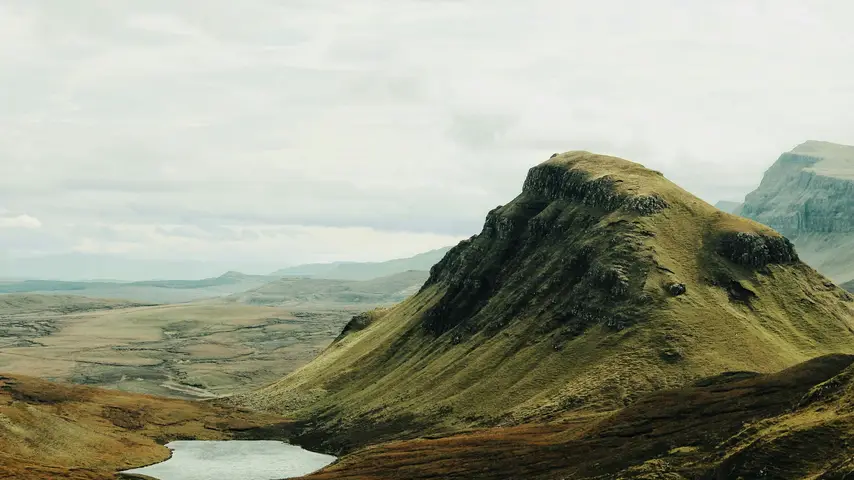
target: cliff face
<point>808,196</point>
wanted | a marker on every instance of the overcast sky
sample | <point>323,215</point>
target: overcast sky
<point>312,130</point>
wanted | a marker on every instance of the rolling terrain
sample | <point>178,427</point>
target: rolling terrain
<point>808,196</point>
<point>50,430</point>
<point>600,283</point>
<point>195,350</point>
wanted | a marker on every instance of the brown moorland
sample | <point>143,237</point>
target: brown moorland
<point>52,430</point>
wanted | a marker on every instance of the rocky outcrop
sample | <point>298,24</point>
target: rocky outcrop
<point>756,250</point>
<point>808,196</point>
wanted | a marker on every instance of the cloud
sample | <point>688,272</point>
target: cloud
<point>19,221</point>
<point>408,119</point>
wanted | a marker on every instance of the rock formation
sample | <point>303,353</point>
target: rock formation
<point>808,196</point>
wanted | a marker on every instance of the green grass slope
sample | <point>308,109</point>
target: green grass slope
<point>571,298</point>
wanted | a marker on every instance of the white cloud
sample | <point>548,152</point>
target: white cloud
<point>19,221</point>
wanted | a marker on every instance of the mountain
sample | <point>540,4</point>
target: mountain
<point>808,196</point>
<point>848,286</point>
<point>329,293</point>
<point>728,206</point>
<point>602,281</point>
<point>365,271</point>
<point>154,291</point>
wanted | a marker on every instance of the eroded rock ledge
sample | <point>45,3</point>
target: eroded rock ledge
<point>557,182</point>
<point>756,250</point>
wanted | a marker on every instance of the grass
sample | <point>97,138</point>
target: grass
<point>562,305</point>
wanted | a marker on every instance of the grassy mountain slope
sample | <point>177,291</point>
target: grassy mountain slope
<point>808,196</point>
<point>797,423</point>
<point>50,430</point>
<point>571,298</point>
<point>321,292</point>
<point>367,270</point>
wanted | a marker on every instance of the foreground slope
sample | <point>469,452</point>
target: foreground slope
<point>50,430</point>
<point>808,195</point>
<point>797,423</point>
<point>599,282</point>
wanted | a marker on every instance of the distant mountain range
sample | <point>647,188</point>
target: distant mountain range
<point>325,292</point>
<point>112,268</point>
<point>153,291</point>
<point>365,270</point>
<point>341,283</point>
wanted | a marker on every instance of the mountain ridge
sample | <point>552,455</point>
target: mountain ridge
<point>808,196</point>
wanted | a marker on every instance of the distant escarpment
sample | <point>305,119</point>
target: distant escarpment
<point>601,281</point>
<point>808,196</point>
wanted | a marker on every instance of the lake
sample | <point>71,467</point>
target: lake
<point>244,459</point>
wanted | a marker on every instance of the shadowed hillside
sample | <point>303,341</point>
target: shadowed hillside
<point>601,281</point>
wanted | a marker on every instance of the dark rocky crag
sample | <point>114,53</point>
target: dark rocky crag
<point>597,277</point>
<point>808,196</point>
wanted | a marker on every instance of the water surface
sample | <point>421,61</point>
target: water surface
<point>243,459</point>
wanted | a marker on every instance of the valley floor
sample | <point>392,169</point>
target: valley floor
<point>195,350</point>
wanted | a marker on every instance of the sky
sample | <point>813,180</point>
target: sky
<point>294,131</point>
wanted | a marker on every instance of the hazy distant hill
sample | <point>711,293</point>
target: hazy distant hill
<point>808,196</point>
<point>156,291</point>
<point>325,292</point>
<point>367,270</point>
<point>728,206</point>
<point>84,266</point>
